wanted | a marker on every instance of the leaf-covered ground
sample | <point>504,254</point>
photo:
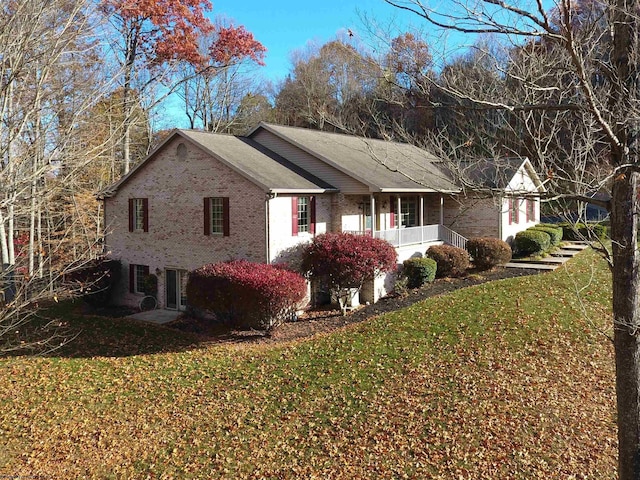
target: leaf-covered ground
<point>510,379</point>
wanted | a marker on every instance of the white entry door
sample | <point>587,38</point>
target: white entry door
<point>175,289</point>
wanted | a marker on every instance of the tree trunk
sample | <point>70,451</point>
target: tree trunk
<point>126,127</point>
<point>626,322</point>
<point>624,236</point>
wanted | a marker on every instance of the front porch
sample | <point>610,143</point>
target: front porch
<point>406,236</point>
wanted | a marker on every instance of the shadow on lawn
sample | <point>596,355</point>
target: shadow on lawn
<point>69,330</point>
<point>66,330</point>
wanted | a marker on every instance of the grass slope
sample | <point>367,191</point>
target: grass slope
<point>510,379</point>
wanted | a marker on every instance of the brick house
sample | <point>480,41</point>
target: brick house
<point>201,198</point>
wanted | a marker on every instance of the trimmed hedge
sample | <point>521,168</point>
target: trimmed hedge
<point>581,231</point>
<point>246,294</point>
<point>532,242</point>
<point>554,232</point>
<point>452,261</point>
<point>419,271</point>
<point>488,252</point>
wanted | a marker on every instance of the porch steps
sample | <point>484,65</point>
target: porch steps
<point>531,265</point>
<point>575,246</point>
<point>564,253</point>
<point>553,261</point>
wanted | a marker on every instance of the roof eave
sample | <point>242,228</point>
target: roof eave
<point>303,190</point>
<point>418,190</point>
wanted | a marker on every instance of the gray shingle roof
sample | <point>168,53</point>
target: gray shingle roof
<point>250,159</point>
<point>257,162</point>
<point>382,165</point>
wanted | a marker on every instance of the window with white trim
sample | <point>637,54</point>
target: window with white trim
<point>138,214</point>
<point>137,274</point>
<point>216,216</point>
<point>408,209</point>
<point>304,214</point>
<point>216,210</point>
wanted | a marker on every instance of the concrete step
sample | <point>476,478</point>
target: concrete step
<point>565,253</point>
<point>559,260</point>
<point>575,246</point>
<point>532,265</point>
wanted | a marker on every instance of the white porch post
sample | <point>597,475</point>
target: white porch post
<point>421,218</point>
<point>441,210</point>
<point>373,215</point>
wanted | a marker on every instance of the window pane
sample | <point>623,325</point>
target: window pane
<point>140,278</point>
<point>217,216</point>
<point>408,212</point>
<point>303,214</point>
<point>139,214</point>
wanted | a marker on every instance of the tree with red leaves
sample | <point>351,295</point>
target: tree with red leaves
<point>347,261</point>
<point>154,33</point>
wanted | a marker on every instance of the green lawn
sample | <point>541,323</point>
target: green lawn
<point>511,379</point>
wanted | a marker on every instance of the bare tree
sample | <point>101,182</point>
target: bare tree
<point>213,91</point>
<point>48,81</point>
<point>329,87</point>
<point>576,65</point>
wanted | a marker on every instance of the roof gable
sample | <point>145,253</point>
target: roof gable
<point>498,173</point>
<point>246,157</point>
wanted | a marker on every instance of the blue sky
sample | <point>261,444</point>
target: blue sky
<point>286,25</point>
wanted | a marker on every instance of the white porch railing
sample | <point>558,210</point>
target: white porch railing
<point>399,237</point>
<point>452,238</point>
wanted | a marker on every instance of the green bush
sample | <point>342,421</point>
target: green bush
<point>601,231</point>
<point>452,261</point>
<point>488,252</point>
<point>150,285</point>
<point>554,232</point>
<point>419,271</point>
<point>571,231</point>
<point>581,231</point>
<point>532,242</point>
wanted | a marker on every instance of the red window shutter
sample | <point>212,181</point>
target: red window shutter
<point>225,216</point>
<point>207,216</point>
<point>510,208</point>
<point>312,226</point>
<point>528,208</point>
<point>392,206</point>
<point>145,214</point>
<point>294,216</point>
<point>517,212</point>
<point>131,214</point>
<point>132,278</point>
<point>146,270</point>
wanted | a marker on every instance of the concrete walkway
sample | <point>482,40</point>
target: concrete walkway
<point>159,317</point>
<point>557,258</point>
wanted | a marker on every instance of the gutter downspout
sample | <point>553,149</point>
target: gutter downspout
<point>270,195</point>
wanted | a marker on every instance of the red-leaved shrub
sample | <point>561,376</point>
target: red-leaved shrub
<point>347,260</point>
<point>452,261</point>
<point>246,294</point>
